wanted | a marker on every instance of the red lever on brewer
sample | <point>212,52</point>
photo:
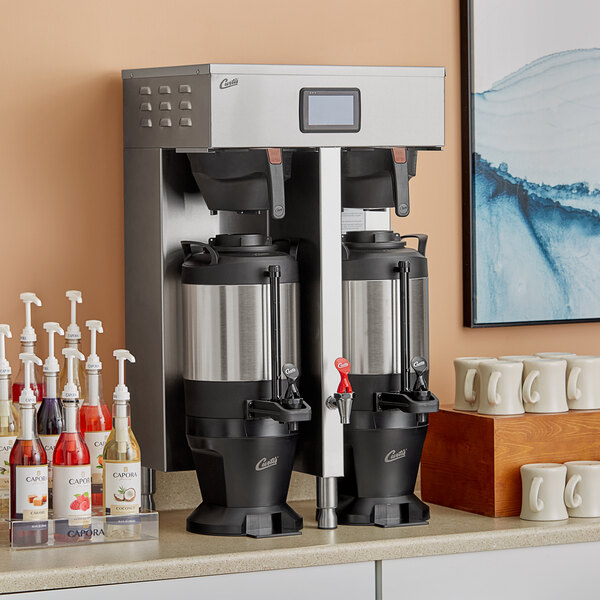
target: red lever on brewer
<point>343,367</point>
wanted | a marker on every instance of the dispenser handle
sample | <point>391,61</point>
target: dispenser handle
<point>400,178</point>
<point>343,367</point>
<point>422,237</point>
<point>202,247</point>
<point>274,274</point>
<point>275,182</point>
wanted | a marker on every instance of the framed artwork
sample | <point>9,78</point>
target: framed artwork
<point>531,162</point>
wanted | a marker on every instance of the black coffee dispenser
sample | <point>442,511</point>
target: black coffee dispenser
<point>386,341</point>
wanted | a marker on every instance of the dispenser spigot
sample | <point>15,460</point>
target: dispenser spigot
<point>73,331</point>
<point>342,399</point>
<point>27,396</point>
<point>93,362</point>
<point>51,364</point>
<point>28,335</point>
<point>420,367</point>
<point>4,364</point>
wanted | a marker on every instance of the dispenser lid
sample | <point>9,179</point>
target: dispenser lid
<point>254,242</point>
<point>374,239</point>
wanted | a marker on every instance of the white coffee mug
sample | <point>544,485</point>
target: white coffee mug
<point>544,385</point>
<point>466,395</point>
<point>555,354</point>
<point>500,385</point>
<point>543,492</point>
<point>582,492</point>
<point>583,382</point>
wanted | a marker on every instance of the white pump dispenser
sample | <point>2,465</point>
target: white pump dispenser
<point>70,392</point>
<point>28,335</point>
<point>73,331</point>
<point>4,364</point>
<point>93,362</point>
<point>121,395</point>
<point>27,397</point>
<point>51,366</point>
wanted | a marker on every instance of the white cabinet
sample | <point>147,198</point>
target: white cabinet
<point>347,582</point>
<point>548,572</point>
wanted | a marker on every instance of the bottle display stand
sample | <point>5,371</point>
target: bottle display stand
<point>53,533</point>
<point>471,462</point>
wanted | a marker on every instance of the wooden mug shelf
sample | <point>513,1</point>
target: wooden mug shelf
<point>471,461</point>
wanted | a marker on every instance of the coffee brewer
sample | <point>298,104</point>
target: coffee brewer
<point>242,297</point>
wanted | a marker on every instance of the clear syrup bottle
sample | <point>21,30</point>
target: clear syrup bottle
<point>122,458</point>
<point>8,424</point>
<point>28,469</point>
<point>71,471</point>
<point>95,420</point>
<point>28,341</point>
<point>50,418</point>
<point>73,340</point>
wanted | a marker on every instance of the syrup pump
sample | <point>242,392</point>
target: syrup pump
<point>28,340</point>
<point>6,411</point>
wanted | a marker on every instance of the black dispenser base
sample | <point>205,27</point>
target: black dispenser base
<point>399,511</point>
<point>256,522</point>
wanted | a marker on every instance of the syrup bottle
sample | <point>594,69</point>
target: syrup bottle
<point>95,420</point>
<point>73,340</point>
<point>28,340</point>
<point>8,424</point>
<point>28,469</point>
<point>122,458</point>
<point>49,418</point>
<point>71,470</point>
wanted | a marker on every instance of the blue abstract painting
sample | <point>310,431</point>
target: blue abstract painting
<point>535,150</point>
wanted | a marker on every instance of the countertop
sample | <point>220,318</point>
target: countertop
<point>181,554</point>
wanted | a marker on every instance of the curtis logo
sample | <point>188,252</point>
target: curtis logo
<point>263,463</point>
<point>227,83</point>
<point>392,455</point>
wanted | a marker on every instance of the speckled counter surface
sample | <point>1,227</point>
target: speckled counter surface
<point>181,554</point>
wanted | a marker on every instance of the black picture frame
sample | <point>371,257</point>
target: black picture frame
<point>468,230</point>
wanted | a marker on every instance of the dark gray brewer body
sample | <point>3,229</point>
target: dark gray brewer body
<point>274,150</point>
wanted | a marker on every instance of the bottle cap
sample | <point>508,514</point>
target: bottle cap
<point>73,331</point>
<point>121,394</point>
<point>51,365</point>
<point>70,392</point>
<point>93,362</point>
<point>27,396</point>
<point>28,334</point>
<point>4,364</point>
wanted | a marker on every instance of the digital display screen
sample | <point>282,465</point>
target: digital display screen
<point>331,110</point>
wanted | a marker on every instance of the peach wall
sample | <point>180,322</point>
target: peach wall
<point>60,143</point>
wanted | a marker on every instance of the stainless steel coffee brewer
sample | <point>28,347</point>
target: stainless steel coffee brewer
<point>241,295</point>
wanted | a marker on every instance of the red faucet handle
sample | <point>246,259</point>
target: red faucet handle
<point>343,367</point>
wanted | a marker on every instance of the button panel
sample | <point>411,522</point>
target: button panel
<point>180,104</point>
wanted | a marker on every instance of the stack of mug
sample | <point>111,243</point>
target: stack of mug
<point>548,382</point>
<point>554,492</point>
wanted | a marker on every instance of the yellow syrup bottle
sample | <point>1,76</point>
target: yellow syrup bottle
<point>122,464</point>
<point>8,424</point>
